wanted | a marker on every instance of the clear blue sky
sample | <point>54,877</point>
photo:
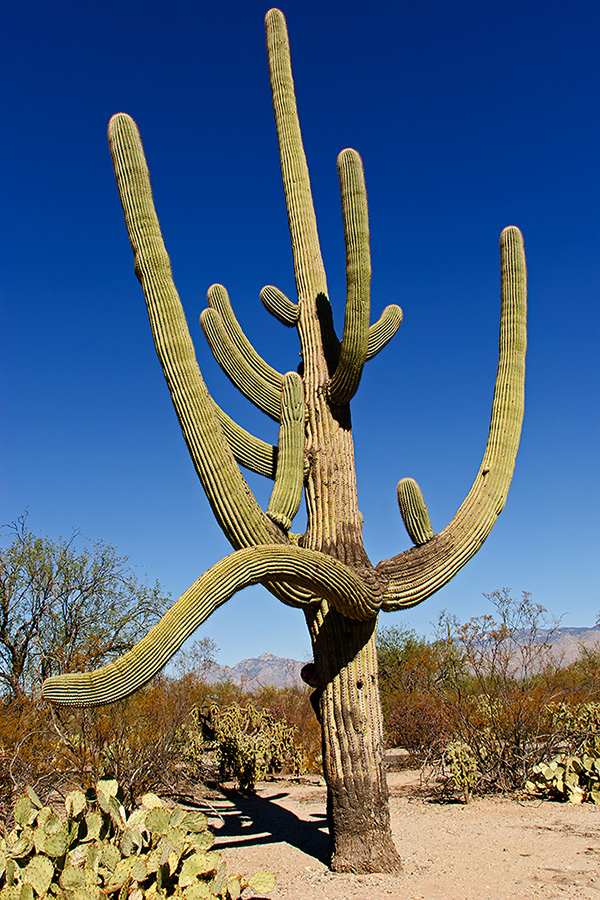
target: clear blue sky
<point>469,116</point>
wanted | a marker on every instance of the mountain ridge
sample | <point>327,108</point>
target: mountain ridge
<point>268,670</point>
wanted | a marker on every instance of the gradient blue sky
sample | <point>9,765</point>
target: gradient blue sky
<point>469,116</point>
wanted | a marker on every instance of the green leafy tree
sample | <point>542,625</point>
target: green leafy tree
<point>64,608</point>
<point>325,572</point>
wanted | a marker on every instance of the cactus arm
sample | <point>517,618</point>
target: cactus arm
<point>218,299</point>
<point>308,262</point>
<point>280,306</point>
<point>353,351</point>
<point>419,572</point>
<point>414,512</point>
<point>327,577</point>
<point>233,504</point>
<point>249,451</point>
<point>384,329</point>
<point>287,489</point>
<point>237,368</point>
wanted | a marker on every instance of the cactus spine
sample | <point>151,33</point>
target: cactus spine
<point>326,572</point>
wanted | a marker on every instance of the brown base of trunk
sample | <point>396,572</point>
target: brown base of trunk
<point>352,732</point>
<point>366,853</point>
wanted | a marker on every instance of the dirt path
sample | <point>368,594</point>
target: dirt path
<point>493,849</point>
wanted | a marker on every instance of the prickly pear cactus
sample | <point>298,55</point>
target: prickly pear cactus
<point>573,775</point>
<point>98,851</point>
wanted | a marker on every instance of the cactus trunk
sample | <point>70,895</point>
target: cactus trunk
<point>326,571</point>
<point>352,740</point>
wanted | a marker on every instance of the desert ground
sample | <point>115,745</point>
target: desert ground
<point>495,848</point>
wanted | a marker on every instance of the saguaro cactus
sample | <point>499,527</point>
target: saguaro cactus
<point>325,572</point>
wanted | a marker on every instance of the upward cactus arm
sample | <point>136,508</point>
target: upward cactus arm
<point>287,490</point>
<point>384,329</point>
<point>308,262</point>
<point>419,572</point>
<point>238,368</point>
<point>280,306</point>
<point>326,577</point>
<point>218,299</point>
<point>235,508</point>
<point>353,351</point>
<point>250,451</point>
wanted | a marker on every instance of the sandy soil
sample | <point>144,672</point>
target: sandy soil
<point>493,849</point>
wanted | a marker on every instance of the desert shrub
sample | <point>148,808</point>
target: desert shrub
<point>498,695</point>
<point>410,669</point>
<point>492,684</point>
<point>248,744</point>
<point>416,722</point>
<point>98,850</point>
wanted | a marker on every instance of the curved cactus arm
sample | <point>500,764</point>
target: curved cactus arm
<point>233,504</point>
<point>280,306</point>
<point>289,480</point>
<point>329,578</point>
<point>308,262</point>
<point>237,368</point>
<point>218,299</point>
<point>250,451</point>
<point>384,329</point>
<point>414,512</point>
<point>419,572</point>
<point>353,352</point>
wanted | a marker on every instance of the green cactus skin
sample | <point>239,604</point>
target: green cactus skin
<point>241,373</point>
<point>250,451</point>
<point>416,574</point>
<point>218,299</point>
<point>414,512</point>
<point>325,572</point>
<point>329,577</point>
<point>287,490</point>
<point>353,351</point>
<point>279,305</point>
<point>236,510</point>
<point>384,329</point>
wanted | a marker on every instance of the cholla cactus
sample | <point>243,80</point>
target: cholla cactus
<point>463,767</point>
<point>325,572</point>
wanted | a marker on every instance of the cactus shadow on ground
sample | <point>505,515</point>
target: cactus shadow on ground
<point>250,820</point>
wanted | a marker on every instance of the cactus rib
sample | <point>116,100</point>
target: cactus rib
<point>280,306</point>
<point>237,368</point>
<point>325,576</point>
<point>287,489</point>
<point>308,262</point>
<point>417,573</point>
<point>353,351</point>
<point>414,512</point>
<point>218,299</point>
<point>384,329</point>
<point>251,452</point>
<point>234,506</point>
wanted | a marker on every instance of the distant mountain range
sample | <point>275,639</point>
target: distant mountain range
<point>261,671</point>
<point>268,670</point>
<point>566,642</point>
